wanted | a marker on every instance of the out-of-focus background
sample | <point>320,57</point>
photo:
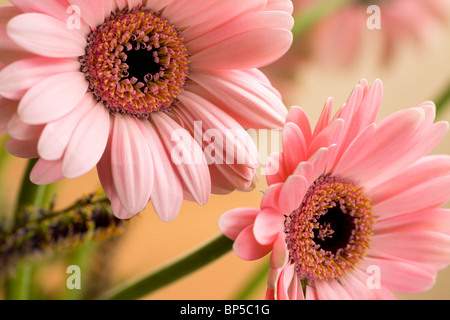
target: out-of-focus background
<point>416,73</point>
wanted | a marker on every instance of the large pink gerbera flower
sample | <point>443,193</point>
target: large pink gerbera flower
<point>338,38</point>
<point>354,210</point>
<point>111,89</point>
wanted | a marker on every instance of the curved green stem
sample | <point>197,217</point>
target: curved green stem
<point>443,100</point>
<point>308,18</point>
<point>254,283</point>
<point>172,272</point>
<point>17,287</point>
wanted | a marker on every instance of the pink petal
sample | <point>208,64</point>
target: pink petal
<point>195,174</point>
<point>268,224</point>
<point>254,106</point>
<point>427,247</point>
<point>237,145</point>
<point>352,119</point>
<point>272,196</point>
<point>252,49</point>
<point>294,146</point>
<point>399,141</point>
<point>41,105</point>
<point>283,5</point>
<point>357,289</point>
<point>429,194</point>
<point>331,290</point>
<point>291,196</point>
<point>325,117</point>
<point>426,168</point>
<point>94,12</point>
<point>214,15</point>
<point>9,51</point>
<point>54,8</point>
<point>240,25</point>
<point>22,148</point>
<point>7,110</point>
<point>287,284</point>
<point>246,246</point>
<point>167,194</point>
<point>234,221</point>
<point>119,210</point>
<point>56,135</point>
<point>298,116</point>
<point>346,162</point>
<point>46,36</point>
<point>131,164</point>
<point>371,104</point>
<point>436,219</point>
<point>306,170</point>
<point>280,254</point>
<point>381,293</point>
<point>106,178</point>
<point>20,76</point>
<point>183,13</point>
<point>229,177</point>
<point>402,276</point>
<point>88,142</point>
<point>275,171</point>
<point>22,131</point>
<point>157,5</point>
<point>328,136</point>
<point>46,172</point>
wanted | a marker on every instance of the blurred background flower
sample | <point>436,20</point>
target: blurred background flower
<point>415,73</point>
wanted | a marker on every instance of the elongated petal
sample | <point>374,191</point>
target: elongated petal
<point>46,36</point>
<point>88,142</point>
<point>254,48</point>
<point>268,224</point>
<point>195,173</point>
<point>41,105</point>
<point>20,76</point>
<point>167,194</point>
<point>131,165</point>
<point>234,221</point>
<point>56,135</point>
<point>46,172</point>
<point>246,246</point>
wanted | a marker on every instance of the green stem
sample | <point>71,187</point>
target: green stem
<point>309,18</point>
<point>172,272</point>
<point>254,283</point>
<point>443,101</point>
<point>18,286</point>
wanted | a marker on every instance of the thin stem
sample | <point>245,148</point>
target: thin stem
<point>254,283</point>
<point>307,19</point>
<point>18,287</point>
<point>443,101</point>
<point>172,272</point>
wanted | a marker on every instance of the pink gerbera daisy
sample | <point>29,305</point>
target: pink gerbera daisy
<point>106,83</point>
<point>354,210</point>
<point>339,37</point>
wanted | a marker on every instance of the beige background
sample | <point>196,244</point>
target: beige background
<point>416,74</point>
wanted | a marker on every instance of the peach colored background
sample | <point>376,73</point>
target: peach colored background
<point>416,74</point>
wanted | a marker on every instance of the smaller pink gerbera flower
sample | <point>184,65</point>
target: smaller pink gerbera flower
<point>354,211</point>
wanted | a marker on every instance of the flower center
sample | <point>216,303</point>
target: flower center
<point>330,232</point>
<point>136,63</point>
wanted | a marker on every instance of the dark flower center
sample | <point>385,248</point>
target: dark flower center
<point>136,63</point>
<point>330,232</point>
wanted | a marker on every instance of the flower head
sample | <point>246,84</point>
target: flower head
<point>354,209</point>
<point>108,83</point>
<point>339,38</point>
